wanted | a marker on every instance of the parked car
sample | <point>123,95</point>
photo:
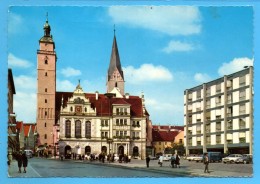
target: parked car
<point>215,156</point>
<point>191,157</point>
<point>245,159</point>
<point>231,158</point>
<point>167,157</point>
<point>198,158</point>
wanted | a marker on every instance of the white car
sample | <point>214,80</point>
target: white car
<point>167,157</point>
<point>231,158</point>
<point>198,158</point>
<point>191,157</point>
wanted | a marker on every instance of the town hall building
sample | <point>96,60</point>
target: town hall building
<point>82,123</point>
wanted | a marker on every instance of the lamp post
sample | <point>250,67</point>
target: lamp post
<point>109,141</point>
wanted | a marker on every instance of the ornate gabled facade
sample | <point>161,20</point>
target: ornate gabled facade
<point>95,123</point>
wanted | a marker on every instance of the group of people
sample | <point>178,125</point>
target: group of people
<point>175,161</point>
<point>22,160</point>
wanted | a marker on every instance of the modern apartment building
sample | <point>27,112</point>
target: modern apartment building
<point>218,115</point>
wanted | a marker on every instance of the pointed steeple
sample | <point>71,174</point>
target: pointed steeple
<point>115,75</point>
<point>115,60</point>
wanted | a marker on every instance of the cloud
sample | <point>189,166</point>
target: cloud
<point>147,73</point>
<point>14,61</point>
<point>15,23</point>
<point>65,85</point>
<point>69,72</point>
<point>25,83</point>
<point>202,77</point>
<point>170,20</point>
<point>177,46</point>
<point>25,106</point>
<point>235,65</point>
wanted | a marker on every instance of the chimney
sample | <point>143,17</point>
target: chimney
<point>96,95</point>
<point>127,95</point>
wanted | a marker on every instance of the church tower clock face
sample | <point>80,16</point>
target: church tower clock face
<point>78,109</point>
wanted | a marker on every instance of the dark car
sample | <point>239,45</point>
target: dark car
<point>245,159</point>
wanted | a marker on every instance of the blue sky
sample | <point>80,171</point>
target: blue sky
<point>163,50</point>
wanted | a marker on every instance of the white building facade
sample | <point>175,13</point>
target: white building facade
<point>218,115</point>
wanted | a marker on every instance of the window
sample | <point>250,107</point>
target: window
<point>207,104</point>
<point>208,140</point>
<point>71,109</point>
<point>190,120</point>
<point>78,129</point>
<point>198,129</point>
<point>159,143</point>
<point>46,61</point>
<point>137,124</point>
<point>229,98</point>
<point>45,100</point>
<point>242,109</point>
<point>104,135</point>
<point>229,84</point>
<point>45,124</point>
<point>88,129</point>
<point>46,74</point>
<point>117,133</point>
<point>218,117</point>
<point>198,120</point>
<point>198,94</point>
<point>117,122</point>
<point>125,121</point>
<point>190,141</point>
<point>46,90</point>
<point>208,91</point>
<point>125,133</point>
<point>125,111</point>
<point>229,112</point>
<point>117,111</point>
<point>218,101</point>
<point>68,129</point>
<point>242,95</point>
<point>218,88</point>
<point>242,81</point>
<point>45,136</point>
<point>218,139</point>
<point>116,84</point>
<point>230,125</point>
<point>242,140</point>
<point>218,126</point>
<point>121,122</point>
<point>242,123</point>
<point>207,128</point>
<point>45,113</point>
<point>189,97</point>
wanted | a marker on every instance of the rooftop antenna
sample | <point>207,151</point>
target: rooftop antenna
<point>114,29</point>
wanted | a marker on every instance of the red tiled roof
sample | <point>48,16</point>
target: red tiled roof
<point>164,135</point>
<point>19,125</point>
<point>26,128</point>
<point>103,105</point>
<point>167,127</point>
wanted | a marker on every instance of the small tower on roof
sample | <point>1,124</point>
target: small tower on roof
<point>115,75</point>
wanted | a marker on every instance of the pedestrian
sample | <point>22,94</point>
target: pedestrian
<point>177,161</point>
<point>160,162</point>
<point>206,163</point>
<point>147,161</point>
<point>25,162</point>
<point>19,161</point>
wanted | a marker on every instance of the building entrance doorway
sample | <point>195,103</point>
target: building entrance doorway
<point>87,150</point>
<point>135,151</point>
<point>67,152</point>
<point>121,150</point>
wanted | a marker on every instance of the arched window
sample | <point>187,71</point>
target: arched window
<point>88,129</point>
<point>68,129</point>
<point>78,129</point>
<point>116,84</point>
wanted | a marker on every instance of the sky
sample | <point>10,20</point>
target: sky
<point>163,50</point>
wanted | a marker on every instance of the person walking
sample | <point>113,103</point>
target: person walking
<point>177,161</point>
<point>147,161</point>
<point>206,162</point>
<point>25,162</point>
<point>19,161</point>
<point>160,161</point>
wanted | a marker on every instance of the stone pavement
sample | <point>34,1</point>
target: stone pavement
<point>140,165</point>
<point>13,171</point>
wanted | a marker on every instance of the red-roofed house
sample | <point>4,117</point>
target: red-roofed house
<point>29,136</point>
<point>166,137</point>
<point>114,122</point>
<point>20,133</point>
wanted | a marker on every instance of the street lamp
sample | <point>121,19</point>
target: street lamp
<point>109,141</point>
